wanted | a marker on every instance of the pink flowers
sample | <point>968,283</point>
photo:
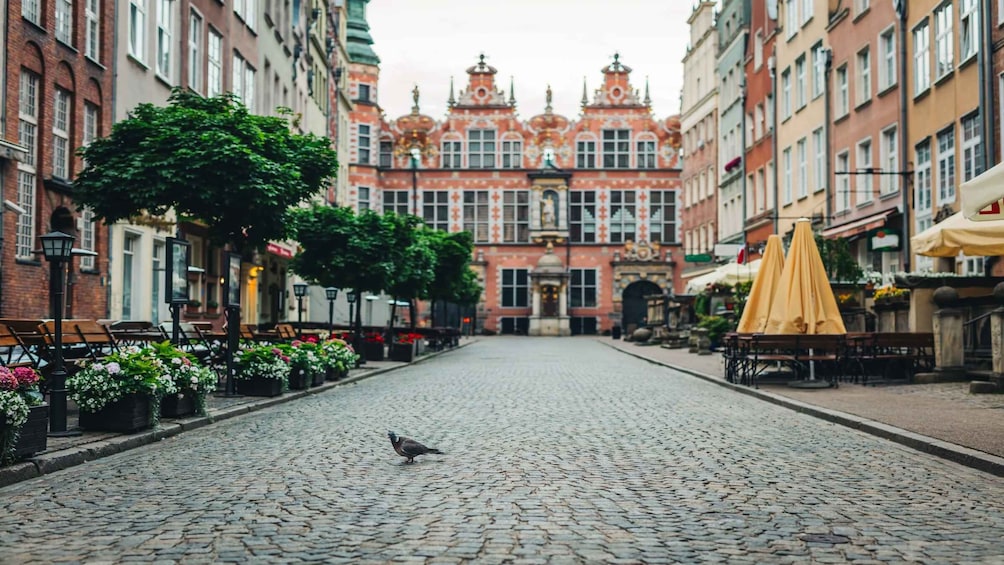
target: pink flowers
<point>7,380</point>
<point>20,378</point>
<point>26,376</point>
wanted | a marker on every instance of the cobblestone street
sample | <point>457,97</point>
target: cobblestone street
<point>556,451</point>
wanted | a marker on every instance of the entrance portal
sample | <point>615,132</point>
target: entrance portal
<point>634,307</point>
<point>549,301</point>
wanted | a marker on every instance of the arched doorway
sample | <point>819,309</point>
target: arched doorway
<point>634,307</point>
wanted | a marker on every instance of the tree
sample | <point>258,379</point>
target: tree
<point>453,260</point>
<point>414,258</point>
<point>208,159</point>
<point>840,264</point>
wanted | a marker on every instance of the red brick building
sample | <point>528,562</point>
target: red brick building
<point>574,221</point>
<point>58,87</point>
<point>761,185</point>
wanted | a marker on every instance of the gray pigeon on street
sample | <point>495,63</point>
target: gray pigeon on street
<point>407,447</point>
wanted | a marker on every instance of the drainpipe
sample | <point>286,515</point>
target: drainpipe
<point>904,136</point>
<point>985,54</point>
<point>828,134</point>
<point>772,69</point>
<point>742,153</point>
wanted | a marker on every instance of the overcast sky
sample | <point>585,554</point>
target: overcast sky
<point>537,42</point>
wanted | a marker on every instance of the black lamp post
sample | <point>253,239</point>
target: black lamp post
<point>57,247</point>
<point>356,337</point>
<point>331,293</point>
<point>299,290</point>
<point>351,297</point>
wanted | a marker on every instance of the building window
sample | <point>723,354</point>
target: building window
<point>363,201</point>
<point>364,93</point>
<point>843,166</point>
<point>436,209</point>
<point>583,288</point>
<point>616,148</point>
<point>249,91</point>
<point>622,216</point>
<point>165,25</point>
<point>64,21</point>
<point>386,154</point>
<point>516,216</point>
<point>662,212</point>
<point>137,28</point>
<point>646,154</point>
<point>214,60</point>
<point>195,51</point>
<point>396,202</point>
<point>786,94</point>
<point>889,155</point>
<point>31,10</point>
<point>451,155</point>
<point>481,149</point>
<point>943,40</point>
<point>87,237</point>
<point>515,288</point>
<point>807,10</point>
<point>818,70</point>
<point>583,216</point>
<point>791,19</point>
<point>512,154</point>
<point>921,58</point>
<point>92,33</point>
<point>946,166</point>
<point>758,125</point>
<point>237,78</point>
<point>861,6</point>
<point>758,50</point>
<point>364,144</point>
<point>91,118</point>
<point>819,162</point>
<point>786,163</point>
<point>585,154</point>
<point>26,179</point>
<point>476,214</point>
<point>922,173</point>
<point>972,150</point>
<point>864,185</point>
<point>760,191</point>
<point>864,78</point>
<point>887,59</point>
<point>843,96</point>
<point>800,85</point>
<point>61,134</point>
<point>803,167</point>
<point>969,29</point>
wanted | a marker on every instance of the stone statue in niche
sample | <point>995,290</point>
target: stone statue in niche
<point>548,210</point>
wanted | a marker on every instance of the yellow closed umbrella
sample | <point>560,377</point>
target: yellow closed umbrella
<point>754,319</point>
<point>803,301</point>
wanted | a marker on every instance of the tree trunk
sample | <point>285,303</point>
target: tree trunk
<point>411,312</point>
<point>432,314</point>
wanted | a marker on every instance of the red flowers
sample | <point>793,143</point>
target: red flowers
<point>373,338</point>
<point>409,337</point>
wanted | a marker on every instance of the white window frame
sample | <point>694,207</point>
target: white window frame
<point>237,76</point>
<point>214,63</point>
<point>947,173</point>
<point>364,143</point>
<point>195,60</point>
<point>663,216</point>
<point>451,153</point>
<point>512,153</point>
<point>800,83</point>
<point>807,10</point>
<point>864,185</point>
<point>583,281</point>
<point>62,117</point>
<point>28,101</point>
<point>842,166</point>
<point>646,152</point>
<point>843,92</point>
<point>921,58</point>
<point>819,159</point>
<point>969,29</point>
<point>791,19</point>
<point>363,195</point>
<point>165,40</point>
<point>802,153</point>
<point>944,41</point>
<point>860,6</point>
<point>250,94</point>
<point>818,71</point>
<point>863,80</point>
<point>618,148</point>
<point>758,122</point>
<point>88,237</point>
<point>514,288</point>
<point>786,94</point>
<point>923,183</point>
<point>31,10</point>
<point>515,216</point>
<point>64,21</point>
<point>585,152</point>
<point>482,144</point>
<point>887,58</point>
<point>477,214</point>
<point>624,205</point>
<point>436,209</point>
<point>786,162</point>
<point>396,202</point>
<point>137,29</point>
<point>889,160</point>
<point>92,29</point>
<point>971,127</point>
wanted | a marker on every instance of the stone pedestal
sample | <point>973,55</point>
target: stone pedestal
<point>949,355</point>
<point>997,341</point>
<point>703,341</point>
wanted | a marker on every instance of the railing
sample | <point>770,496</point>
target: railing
<point>976,341</point>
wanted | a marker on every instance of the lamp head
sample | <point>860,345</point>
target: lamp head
<point>299,289</point>
<point>57,246</point>
<point>331,293</point>
<point>351,297</point>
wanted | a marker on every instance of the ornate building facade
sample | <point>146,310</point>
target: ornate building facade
<point>574,221</point>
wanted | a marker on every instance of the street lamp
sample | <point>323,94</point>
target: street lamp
<point>299,290</point>
<point>331,293</point>
<point>356,337</point>
<point>416,157</point>
<point>57,248</point>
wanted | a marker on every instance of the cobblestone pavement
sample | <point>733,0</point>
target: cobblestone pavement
<point>557,451</point>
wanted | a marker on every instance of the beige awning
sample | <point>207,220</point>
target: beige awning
<point>958,234</point>
<point>859,226</point>
<point>983,196</point>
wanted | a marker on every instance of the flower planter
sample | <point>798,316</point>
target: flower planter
<point>299,379</point>
<point>373,351</point>
<point>259,386</point>
<point>402,352</point>
<point>177,405</point>
<point>331,373</point>
<point>126,415</point>
<point>317,378</point>
<point>34,433</point>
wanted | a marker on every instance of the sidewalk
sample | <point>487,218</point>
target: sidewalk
<point>942,419</point>
<point>65,452</point>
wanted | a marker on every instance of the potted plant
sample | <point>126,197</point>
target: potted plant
<point>193,306</point>
<point>891,295</point>
<point>404,347</point>
<point>305,364</point>
<point>338,357</point>
<point>373,346</point>
<point>212,306</point>
<point>121,392</point>
<point>847,300</point>
<point>24,417</point>
<point>262,370</point>
<point>191,381</point>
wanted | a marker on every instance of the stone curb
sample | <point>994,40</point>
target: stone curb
<point>70,457</point>
<point>953,452</point>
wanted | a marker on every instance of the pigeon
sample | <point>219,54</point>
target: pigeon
<point>407,447</point>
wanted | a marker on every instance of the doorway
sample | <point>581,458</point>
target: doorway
<point>634,306</point>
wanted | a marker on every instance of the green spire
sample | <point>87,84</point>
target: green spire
<point>358,39</point>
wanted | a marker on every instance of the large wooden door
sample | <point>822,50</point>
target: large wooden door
<point>549,301</point>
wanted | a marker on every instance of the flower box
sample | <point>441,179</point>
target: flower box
<point>373,351</point>
<point>127,415</point>
<point>317,378</point>
<point>259,386</point>
<point>402,352</point>
<point>299,379</point>
<point>177,405</point>
<point>34,434</point>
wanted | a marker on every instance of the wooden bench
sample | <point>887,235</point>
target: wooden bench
<point>804,355</point>
<point>96,337</point>
<point>896,357</point>
<point>74,346</point>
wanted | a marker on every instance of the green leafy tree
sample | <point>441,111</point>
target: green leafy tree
<point>415,261</point>
<point>453,260</point>
<point>208,159</point>
<point>838,261</point>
